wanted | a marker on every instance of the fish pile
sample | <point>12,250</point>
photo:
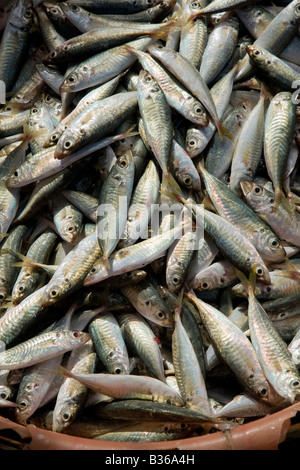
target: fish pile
<point>150,215</point>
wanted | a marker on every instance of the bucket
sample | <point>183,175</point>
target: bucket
<point>262,434</point>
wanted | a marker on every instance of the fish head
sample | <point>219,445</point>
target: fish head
<point>258,54</point>
<point>144,4</point>
<point>257,197</point>
<point>68,142</point>
<point>53,138</point>
<point>97,273</point>
<point>22,16</point>
<point>71,338</point>
<point>147,84</point>
<point>262,273</point>
<point>260,387</point>
<point>24,406</point>
<point>74,78</point>
<point>55,290</point>
<point>193,142</point>
<point>197,113</point>
<point>270,247</point>
<point>297,11</point>
<point>157,310</point>
<point>70,227</point>
<point>204,283</point>
<point>54,11</point>
<point>189,178</point>
<point>23,287</point>
<point>64,415</point>
<point>288,385</point>
<point>5,392</point>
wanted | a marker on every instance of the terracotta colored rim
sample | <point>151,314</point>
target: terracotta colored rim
<point>262,434</point>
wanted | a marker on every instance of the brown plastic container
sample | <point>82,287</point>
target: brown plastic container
<point>262,434</point>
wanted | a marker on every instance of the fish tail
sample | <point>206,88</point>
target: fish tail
<point>29,263</point>
<point>248,284</point>
<point>264,92</point>
<point>105,260</point>
<point>170,188</point>
<point>61,371</point>
<point>130,49</point>
<point>279,198</point>
<point>170,26</point>
<point>178,306</point>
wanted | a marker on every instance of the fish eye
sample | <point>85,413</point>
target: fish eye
<point>53,293</point>
<point>54,11</point>
<point>76,334</point>
<point>66,416</point>
<point>74,8</point>
<point>118,370</point>
<point>34,110</point>
<point>160,314</point>
<point>198,110</point>
<point>93,270</point>
<point>257,190</point>
<point>295,383</point>
<point>262,391</point>
<point>52,55</point>
<point>204,285</point>
<point>192,143</point>
<point>123,163</point>
<point>67,144</point>
<point>16,173</point>
<point>54,138</point>
<point>70,229</point>
<point>195,5</point>
<point>175,280</point>
<point>22,404</point>
<point>3,395</point>
<point>256,52</point>
<point>71,79</point>
<point>274,242</point>
<point>259,271</point>
<point>187,180</point>
<point>28,14</point>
